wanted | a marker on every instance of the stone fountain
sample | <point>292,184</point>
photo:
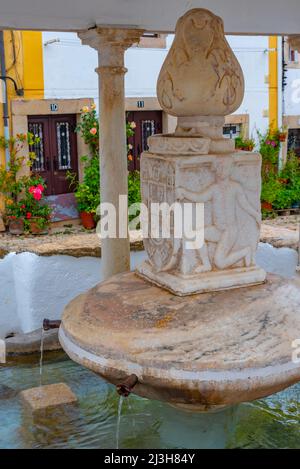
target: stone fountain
<point>206,328</point>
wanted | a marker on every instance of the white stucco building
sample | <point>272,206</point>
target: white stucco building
<point>69,73</point>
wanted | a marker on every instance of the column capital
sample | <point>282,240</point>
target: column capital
<point>294,41</point>
<point>111,43</point>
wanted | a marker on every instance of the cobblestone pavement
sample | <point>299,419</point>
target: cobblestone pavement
<point>75,241</point>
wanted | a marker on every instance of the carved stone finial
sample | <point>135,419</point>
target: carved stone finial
<point>201,75</point>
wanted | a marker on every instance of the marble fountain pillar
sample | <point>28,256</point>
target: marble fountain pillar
<point>206,328</point>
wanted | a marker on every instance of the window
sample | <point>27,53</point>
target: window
<point>36,128</point>
<point>63,143</point>
<point>294,141</point>
<point>231,130</point>
<point>153,41</point>
<point>293,55</point>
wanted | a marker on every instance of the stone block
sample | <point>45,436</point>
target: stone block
<point>176,169</point>
<point>47,397</point>
<point>30,342</point>
<point>6,392</point>
<point>2,351</point>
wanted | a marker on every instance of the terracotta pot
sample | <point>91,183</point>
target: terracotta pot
<point>87,219</point>
<point>284,213</point>
<point>283,180</point>
<point>16,226</point>
<point>282,138</point>
<point>266,206</point>
<point>35,227</point>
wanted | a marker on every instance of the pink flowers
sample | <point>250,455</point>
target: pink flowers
<point>37,191</point>
<point>271,142</point>
<point>93,131</point>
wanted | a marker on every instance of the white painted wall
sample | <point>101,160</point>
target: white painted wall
<point>33,288</point>
<point>252,54</point>
<point>292,92</point>
<point>69,71</point>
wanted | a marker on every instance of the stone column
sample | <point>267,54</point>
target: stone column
<point>111,44</point>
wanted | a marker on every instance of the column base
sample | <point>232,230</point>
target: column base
<point>201,283</point>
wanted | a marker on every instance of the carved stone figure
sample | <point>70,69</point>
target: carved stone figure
<point>224,194</point>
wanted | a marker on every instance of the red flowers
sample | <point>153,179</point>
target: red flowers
<point>28,215</point>
<point>37,191</point>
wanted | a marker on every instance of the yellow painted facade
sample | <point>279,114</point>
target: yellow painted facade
<point>24,63</point>
<point>273,81</point>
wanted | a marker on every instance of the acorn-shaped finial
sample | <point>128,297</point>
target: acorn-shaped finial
<point>201,75</point>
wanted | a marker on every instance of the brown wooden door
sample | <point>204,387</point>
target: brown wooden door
<point>147,124</point>
<point>56,153</point>
<point>294,141</point>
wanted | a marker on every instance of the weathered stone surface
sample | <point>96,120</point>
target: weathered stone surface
<point>78,244</point>
<point>200,75</point>
<point>2,226</point>
<point>282,232</point>
<point>45,397</point>
<point>212,349</point>
<point>22,344</point>
<point>229,188</point>
<point>280,236</point>
<point>2,351</point>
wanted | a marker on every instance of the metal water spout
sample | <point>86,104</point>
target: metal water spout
<point>125,388</point>
<point>48,324</point>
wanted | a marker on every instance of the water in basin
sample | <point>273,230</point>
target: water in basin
<point>267,423</point>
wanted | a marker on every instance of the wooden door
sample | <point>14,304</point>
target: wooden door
<point>39,126</point>
<point>147,124</point>
<point>294,141</point>
<point>56,153</point>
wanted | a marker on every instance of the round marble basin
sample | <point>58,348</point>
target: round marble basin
<point>201,352</point>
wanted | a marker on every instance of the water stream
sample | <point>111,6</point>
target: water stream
<point>42,356</point>
<point>121,400</point>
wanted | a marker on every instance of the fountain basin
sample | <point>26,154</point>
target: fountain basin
<point>202,352</point>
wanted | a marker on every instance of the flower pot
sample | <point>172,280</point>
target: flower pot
<point>283,180</point>
<point>37,226</point>
<point>266,206</point>
<point>282,138</point>
<point>285,212</point>
<point>87,219</point>
<point>16,226</point>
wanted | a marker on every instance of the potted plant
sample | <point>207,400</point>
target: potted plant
<point>11,184</point>
<point>269,192</point>
<point>87,192</point>
<point>35,210</point>
<point>15,225</point>
<point>289,195</point>
<point>87,203</point>
<point>244,144</point>
<point>281,134</point>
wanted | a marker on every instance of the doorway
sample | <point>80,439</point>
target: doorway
<point>147,124</point>
<point>294,141</point>
<point>56,151</point>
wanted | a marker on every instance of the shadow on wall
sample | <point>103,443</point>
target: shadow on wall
<point>34,287</point>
